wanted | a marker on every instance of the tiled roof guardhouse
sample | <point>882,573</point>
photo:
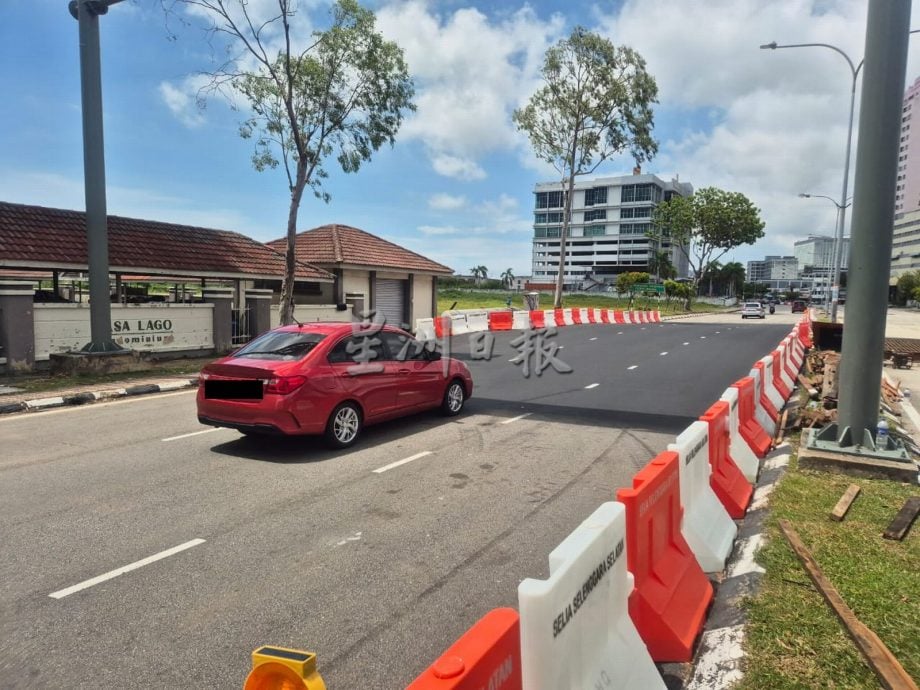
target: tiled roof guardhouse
<point>233,278</point>
<point>372,271</point>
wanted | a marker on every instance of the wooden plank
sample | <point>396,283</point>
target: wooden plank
<point>902,522</point>
<point>781,429</point>
<point>843,505</point>
<point>889,671</point>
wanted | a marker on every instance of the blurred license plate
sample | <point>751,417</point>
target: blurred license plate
<point>233,390</point>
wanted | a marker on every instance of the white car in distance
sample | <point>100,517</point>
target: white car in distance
<point>753,310</point>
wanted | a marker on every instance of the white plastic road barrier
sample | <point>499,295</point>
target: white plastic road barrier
<point>627,316</point>
<point>478,321</point>
<point>741,452</point>
<point>576,632</point>
<point>583,315</point>
<point>706,526</point>
<point>598,316</point>
<point>424,329</point>
<point>520,320</point>
<point>760,414</point>
<point>458,324</point>
<point>783,348</point>
<point>773,395</point>
<point>567,317</point>
<point>549,318</point>
<point>794,352</point>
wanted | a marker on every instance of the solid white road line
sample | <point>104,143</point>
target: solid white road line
<point>381,470</point>
<point>60,594</point>
<point>632,367</point>
<point>592,385</point>
<point>194,433</point>
<point>515,419</point>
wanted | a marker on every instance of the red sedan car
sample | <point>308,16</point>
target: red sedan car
<point>328,378</point>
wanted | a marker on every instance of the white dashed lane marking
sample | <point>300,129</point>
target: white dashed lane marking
<point>60,594</point>
<point>592,385</point>
<point>381,470</point>
<point>515,419</point>
<point>662,354</point>
<point>634,366</point>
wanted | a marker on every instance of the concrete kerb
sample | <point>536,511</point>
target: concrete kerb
<point>85,397</point>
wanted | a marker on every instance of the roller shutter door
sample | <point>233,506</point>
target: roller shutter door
<point>390,297</point>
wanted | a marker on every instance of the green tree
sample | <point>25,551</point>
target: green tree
<point>706,225</point>
<point>661,266</point>
<point>907,283</point>
<point>341,91</point>
<point>595,102</point>
<point>507,278</point>
<point>626,283</point>
<point>732,278</point>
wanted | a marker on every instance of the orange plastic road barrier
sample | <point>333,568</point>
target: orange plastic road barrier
<point>668,604</point>
<point>576,316</point>
<point>537,319</point>
<point>805,333</point>
<point>441,326</point>
<point>778,382</point>
<point>727,480</point>
<point>277,668</point>
<point>488,655</point>
<point>605,316</point>
<point>591,317</point>
<point>500,320</point>
<point>655,316</point>
<point>560,317</point>
<point>750,429</point>
<point>765,401</point>
<point>618,317</point>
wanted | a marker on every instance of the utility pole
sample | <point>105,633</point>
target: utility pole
<point>87,12</point>
<point>887,34</point>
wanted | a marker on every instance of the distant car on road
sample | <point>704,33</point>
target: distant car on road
<point>753,310</point>
<point>328,378</point>
<point>798,306</point>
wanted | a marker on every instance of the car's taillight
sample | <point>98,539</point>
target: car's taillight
<point>282,385</point>
<point>202,377</point>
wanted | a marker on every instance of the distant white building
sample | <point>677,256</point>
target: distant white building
<point>777,272</point>
<point>608,232</point>
<point>817,252</point>
<point>905,245</point>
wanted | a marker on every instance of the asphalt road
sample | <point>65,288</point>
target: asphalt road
<point>375,571</point>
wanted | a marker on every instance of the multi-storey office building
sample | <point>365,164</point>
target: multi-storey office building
<point>777,272</point>
<point>907,192</point>
<point>905,245</point>
<point>611,219</point>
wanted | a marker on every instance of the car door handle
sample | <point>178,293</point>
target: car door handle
<point>405,371</point>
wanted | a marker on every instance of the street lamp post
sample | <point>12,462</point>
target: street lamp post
<point>836,261</point>
<point>87,12</point>
<point>841,207</point>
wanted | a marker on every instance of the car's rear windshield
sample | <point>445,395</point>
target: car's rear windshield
<point>753,305</point>
<point>287,345</point>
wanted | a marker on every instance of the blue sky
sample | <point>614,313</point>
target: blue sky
<point>457,186</point>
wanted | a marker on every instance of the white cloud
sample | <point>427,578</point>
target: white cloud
<point>439,230</point>
<point>776,121</point>
<point>182,103</point>
<point>446,202</point>
<point>460,168</point>
<point>471,72</point>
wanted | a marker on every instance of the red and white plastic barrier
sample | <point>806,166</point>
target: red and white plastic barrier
<point>488,655</point>
<point>749,419</point>
<point>729,484</point>
<point>672,593</point>
<point>707,526</point>
<point>740,451</point>
<point>764,411</point>
<point>576,631</point>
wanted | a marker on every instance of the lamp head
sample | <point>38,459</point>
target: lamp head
<point>768,46</point>
<point>803,195</point>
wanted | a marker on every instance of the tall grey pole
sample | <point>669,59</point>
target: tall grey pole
<point>87,13</point>
<point>873,218</point>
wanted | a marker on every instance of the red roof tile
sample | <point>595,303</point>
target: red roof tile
<point>39,237</point>
<point>345,245</point>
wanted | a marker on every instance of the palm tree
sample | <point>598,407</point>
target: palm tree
<point>507,277</point>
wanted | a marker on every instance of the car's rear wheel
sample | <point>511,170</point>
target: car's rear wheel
<point>454,397</point>
<point>344,425</point>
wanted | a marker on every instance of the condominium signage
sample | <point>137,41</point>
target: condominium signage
<point>143,332</point>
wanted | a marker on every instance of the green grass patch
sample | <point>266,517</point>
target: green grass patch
<point>793,638</point>
<point>486,299</point>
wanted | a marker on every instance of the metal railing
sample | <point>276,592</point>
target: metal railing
<point>240,333</point>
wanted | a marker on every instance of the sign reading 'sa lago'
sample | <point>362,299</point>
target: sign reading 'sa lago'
<point>143,332</point>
